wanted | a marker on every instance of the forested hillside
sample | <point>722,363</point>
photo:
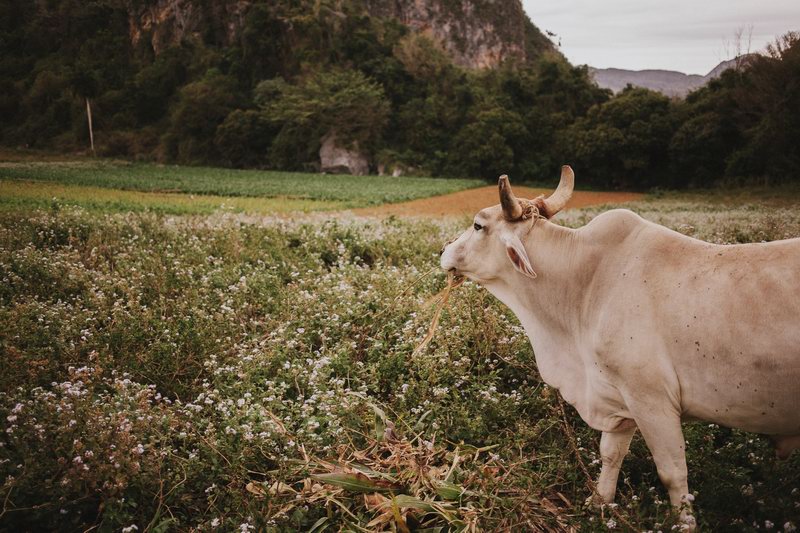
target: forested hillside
<point>437,87</point>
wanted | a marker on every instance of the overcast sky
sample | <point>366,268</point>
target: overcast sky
<point>685,35</point>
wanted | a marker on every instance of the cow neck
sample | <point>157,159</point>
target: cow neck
<point>550,307</point>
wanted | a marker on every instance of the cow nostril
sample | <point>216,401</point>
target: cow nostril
<point>451,241</point>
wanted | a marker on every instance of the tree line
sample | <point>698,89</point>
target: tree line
<point>299,71</point>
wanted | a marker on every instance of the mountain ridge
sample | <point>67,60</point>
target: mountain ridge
<point>668,82</point>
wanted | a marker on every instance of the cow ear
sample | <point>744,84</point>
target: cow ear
<point>518,256</point>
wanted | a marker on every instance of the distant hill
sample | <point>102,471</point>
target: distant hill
<point>668,82</point>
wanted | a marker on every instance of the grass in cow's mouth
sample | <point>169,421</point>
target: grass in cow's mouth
<point>440,300</point>
<point>237,372</point>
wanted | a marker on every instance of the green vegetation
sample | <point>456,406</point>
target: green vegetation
<point>210,372</point>
<point>340,102</point>
<point>226,371</point>
<point>338,190</point>
<point>295,72</point>
<point>16,195</point>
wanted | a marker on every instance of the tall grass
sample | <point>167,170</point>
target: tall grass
<point>240,372</point>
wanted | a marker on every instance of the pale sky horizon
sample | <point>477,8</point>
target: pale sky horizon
<point>689,36</point>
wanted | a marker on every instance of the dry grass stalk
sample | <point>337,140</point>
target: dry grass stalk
<point>441,298</point>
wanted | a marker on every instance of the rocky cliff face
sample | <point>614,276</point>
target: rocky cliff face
<point>475,33</point>
<point>161,23</point>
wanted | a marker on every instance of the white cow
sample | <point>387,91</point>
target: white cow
<point>641,327</point>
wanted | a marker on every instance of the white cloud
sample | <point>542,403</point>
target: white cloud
<point>687,35</point>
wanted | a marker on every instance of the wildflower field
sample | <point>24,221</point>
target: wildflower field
<point>242,372</point>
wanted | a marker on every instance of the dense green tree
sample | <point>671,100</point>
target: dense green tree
<point>742,127</point>
<point>244,137</point>
<point>48,109</point>
<point>436,107</point>
<point>343,102</point>
<point>549,96</point>
<point>490,145</point>
<point>201,107</point>
<point>623,143</point>
<point>768,111</point>
<point>155,84</point>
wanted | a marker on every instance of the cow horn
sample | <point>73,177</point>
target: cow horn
<point>556,201</point>
<point>512,209</point>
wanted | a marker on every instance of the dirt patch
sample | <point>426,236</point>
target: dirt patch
<point>471,201</point>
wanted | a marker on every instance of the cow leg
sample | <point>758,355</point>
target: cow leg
<point>613,449</point>
<point>664,437</point>
<point>785,445</point>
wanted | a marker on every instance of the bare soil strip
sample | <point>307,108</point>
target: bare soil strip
<point>469,202</point>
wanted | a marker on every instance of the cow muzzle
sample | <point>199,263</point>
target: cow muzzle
<point>441,252</point>
<point>447,257</point>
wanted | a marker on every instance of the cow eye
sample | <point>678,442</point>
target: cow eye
<point>477,226</point>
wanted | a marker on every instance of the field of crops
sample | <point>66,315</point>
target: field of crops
<point>17,195</point>
<point>346,191</point>
<point>255,373</point>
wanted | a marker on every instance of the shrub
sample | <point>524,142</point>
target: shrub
<point>202,106</point>
<point>243,138</point>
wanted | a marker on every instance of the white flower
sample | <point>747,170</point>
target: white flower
<point>788,527</point>
<point>130,528</point>
<point>215,522</point>
<point>611,524</point>
<point>768,524</point>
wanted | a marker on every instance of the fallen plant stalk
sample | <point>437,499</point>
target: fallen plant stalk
<point>453,281</point>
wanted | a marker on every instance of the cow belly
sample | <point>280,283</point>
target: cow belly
<point>737,353</point>
<point>760,396</point>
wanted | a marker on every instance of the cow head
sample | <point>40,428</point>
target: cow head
<point>493,247</point>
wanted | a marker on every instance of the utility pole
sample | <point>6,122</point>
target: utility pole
<point>91,131</point>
